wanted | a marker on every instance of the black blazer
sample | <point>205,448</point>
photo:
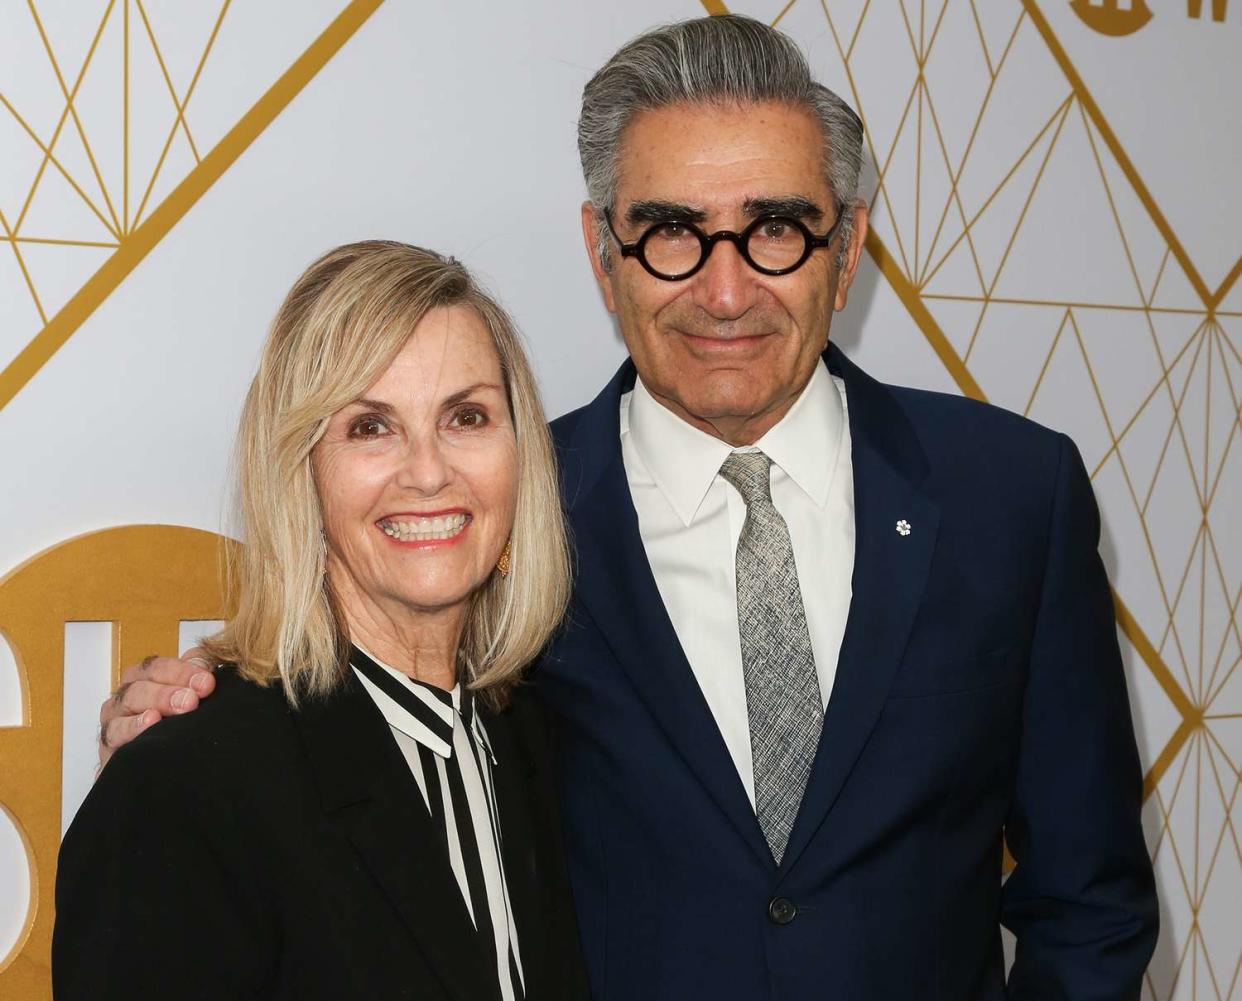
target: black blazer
<point>249,851</point>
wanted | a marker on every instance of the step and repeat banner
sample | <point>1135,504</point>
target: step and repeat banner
<point>1057,229</point>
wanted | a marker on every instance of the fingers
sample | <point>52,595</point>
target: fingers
<point>136,697</point>
<point>118,730</point>
<point>193,672</point>
<point>163,684</point>
<point>149,691</point>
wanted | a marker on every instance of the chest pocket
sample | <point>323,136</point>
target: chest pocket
<point>920,678</point>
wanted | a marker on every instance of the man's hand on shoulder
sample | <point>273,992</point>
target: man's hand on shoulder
<point>149,691</point>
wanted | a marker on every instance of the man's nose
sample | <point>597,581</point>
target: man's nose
<point>725,285</point>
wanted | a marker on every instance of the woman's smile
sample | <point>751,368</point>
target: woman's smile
<point>430,529</point>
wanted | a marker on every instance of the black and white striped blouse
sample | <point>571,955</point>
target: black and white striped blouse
<point>444,742</point>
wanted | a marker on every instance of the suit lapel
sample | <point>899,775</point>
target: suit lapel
<point>890,573</point>
<point>619,591</point>
<point>368,792</point>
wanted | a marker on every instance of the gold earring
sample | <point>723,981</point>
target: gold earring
<point>505,564</point>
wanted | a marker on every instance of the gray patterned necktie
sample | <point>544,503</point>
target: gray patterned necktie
<point>782,688</point>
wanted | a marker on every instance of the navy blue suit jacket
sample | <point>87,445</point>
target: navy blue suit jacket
<point>979,691</point>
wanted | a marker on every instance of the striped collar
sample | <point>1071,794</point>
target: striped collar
<point>422,712</point>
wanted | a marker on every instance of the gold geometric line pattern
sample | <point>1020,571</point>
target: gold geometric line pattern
<point>50,157</point>
<point>1110,306</point>
<point>47,241</point>
<point>70,110</point>
<point>180,104</point>
<point>929,270</point>
<point>910,298</point>
<point>857,29</point>
<point>784,11</point>
<point>1026,205</point>
<point>983,41</point>
<point>172,91</point>
<point>133,244</point>
<point>21,263</point>
<point>1117,439</point>
<point>956,175</point>
<point>1210,299</point>
<point>1043,369</point>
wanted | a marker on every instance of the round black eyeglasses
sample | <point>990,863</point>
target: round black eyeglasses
<point>773,245</point>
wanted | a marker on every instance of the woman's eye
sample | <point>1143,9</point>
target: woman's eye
<point>367,427</point>
<point>469,417</point>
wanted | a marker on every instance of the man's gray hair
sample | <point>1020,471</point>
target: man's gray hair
<point>722,60</point>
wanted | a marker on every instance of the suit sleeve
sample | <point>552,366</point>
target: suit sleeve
<point>1082,899</point>
<point>156,896</point>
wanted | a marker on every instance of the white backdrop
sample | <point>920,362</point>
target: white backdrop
<point>1058,224</point>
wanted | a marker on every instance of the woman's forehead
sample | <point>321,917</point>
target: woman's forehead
<point>450,347</point>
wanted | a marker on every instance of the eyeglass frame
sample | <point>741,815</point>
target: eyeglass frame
<point>708,241</point>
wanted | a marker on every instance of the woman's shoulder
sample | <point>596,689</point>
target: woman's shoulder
<point>237,723</point>
<point>211,772</point>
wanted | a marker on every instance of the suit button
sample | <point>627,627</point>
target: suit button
<point>782,910</point>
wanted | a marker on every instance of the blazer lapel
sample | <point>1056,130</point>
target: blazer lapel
<point>619,590</point>
<point>367,790</point>
<point>890,572</point>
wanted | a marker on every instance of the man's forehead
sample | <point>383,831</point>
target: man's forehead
<point>776,127</point>
<point>717,159</point>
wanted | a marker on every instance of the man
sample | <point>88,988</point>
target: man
<point>831,639</point>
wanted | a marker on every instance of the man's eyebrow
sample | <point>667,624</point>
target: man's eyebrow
<point>655,210</point>
<point>792,206</point>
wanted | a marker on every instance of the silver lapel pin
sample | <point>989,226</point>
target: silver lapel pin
<point>903,527</point>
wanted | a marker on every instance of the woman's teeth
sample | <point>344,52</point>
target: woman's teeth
<point>424,529</point>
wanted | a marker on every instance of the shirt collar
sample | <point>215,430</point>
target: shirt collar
<point>684,461</point>
<point>422,712</point>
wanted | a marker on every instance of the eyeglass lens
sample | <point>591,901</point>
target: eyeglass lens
<point>676,248</point>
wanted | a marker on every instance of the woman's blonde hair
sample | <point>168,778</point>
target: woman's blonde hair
<point>339,328</point>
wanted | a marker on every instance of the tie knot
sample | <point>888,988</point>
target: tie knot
<point>749,472</point>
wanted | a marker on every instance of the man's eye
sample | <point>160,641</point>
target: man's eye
<point>368,427</point>
<point>673,232</point>
<point>469,417</point>
<point>777,229</point>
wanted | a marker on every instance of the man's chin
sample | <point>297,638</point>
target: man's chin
<point>725,404</point>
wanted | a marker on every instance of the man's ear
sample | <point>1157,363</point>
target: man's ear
<point>852,255</point>
<point>590,235</point>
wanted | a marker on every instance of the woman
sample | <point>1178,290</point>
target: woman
<point>363,809</point>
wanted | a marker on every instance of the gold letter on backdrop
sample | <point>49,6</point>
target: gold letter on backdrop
<point>145,580</point>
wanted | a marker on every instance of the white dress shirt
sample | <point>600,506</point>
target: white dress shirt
<point>430,727</point>
<point>690,519</point>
